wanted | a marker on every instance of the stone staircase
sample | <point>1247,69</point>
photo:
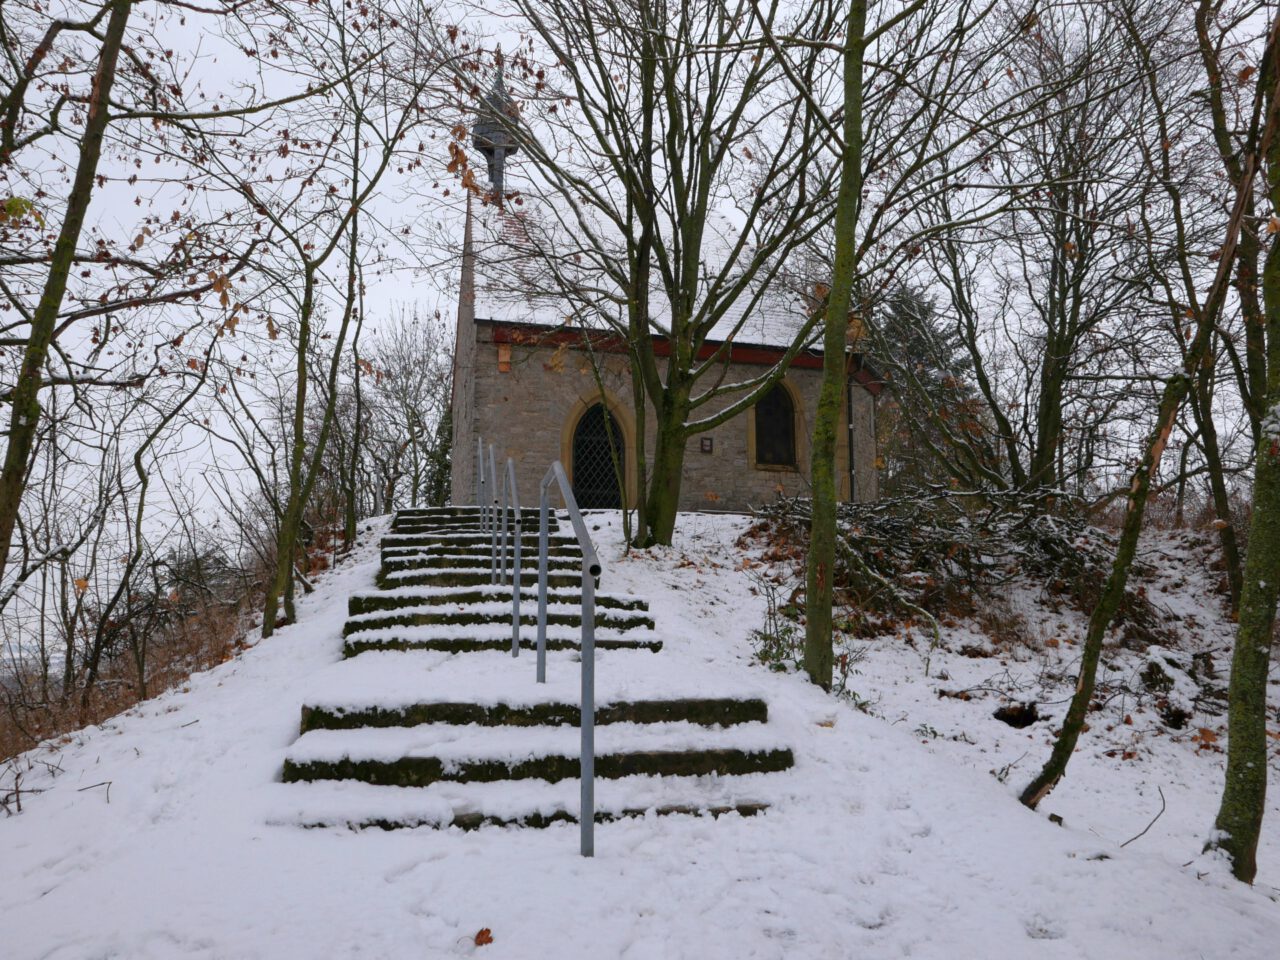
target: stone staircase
<point>429,720</point>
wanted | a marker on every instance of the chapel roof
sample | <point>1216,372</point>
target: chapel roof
<point>517,282</point>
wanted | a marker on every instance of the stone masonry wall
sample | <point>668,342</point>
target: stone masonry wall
<point>529,412</point>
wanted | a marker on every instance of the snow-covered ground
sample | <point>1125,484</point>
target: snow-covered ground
<point>164,834</point>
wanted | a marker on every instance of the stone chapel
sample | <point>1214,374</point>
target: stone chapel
<point>542,389</point>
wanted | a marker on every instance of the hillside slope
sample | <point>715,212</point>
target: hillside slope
<point>166,834</point>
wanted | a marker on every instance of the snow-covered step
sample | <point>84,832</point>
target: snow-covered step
<point>417,756</point>
<point>404,557</point>
<point>463,577</point>
<point>366,601</point>
<point>496,611</point>
<point>467,638</point>
<point>480,563</point>
<point>392,680</point>
<point>445,516</point>
<point>462,543</point>
<point>530,803</point>
<point>457,524</point>
<point>457,510</point>
<point>468,539</point>
<point>484,561</point>
<point>704,711</point>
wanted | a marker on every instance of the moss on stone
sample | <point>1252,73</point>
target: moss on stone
<point>617,621</point>
<point>424,771</point>
<point>474,820</point>
<point>373,603</point>
<point>459,579</point>
<point>355,646</point>
<point>707,711</point>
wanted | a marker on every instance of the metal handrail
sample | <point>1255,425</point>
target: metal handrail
<point>481,489</point>
<point>493,518</point>
<point>590,576</point>
<point>518,535</point>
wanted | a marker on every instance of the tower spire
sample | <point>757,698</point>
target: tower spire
<point>467,286</point>
<point>493,135</point>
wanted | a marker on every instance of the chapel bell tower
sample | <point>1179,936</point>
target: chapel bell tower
<point>492,133</point>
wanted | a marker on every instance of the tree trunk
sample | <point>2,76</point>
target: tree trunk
<point>668,468</point>
<point>638,402</point>
<point>350,517</point>
<point>1244,794</point>
<point>1042,472</point>
<point>291,519</point>
<point>1112,593</point>
<point>1175,392</point>
<point>24,417</point>
<point>818,654</point>
<point>1202,409</point>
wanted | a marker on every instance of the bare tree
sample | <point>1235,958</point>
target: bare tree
<point>83,305</point>
<point>318,198</point>
<point>930,92</point>
<point>1205,314</point>
<point>672,174</point>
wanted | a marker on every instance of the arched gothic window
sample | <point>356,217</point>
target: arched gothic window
<point>597,441</point>
<point>776,429</point>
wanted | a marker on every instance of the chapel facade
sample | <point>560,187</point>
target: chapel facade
<point>542,391</point>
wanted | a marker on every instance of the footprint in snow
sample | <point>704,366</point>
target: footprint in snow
<point>1040,927</point>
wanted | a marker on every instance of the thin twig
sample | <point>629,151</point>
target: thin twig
<point>1153,820</point>
<point>94,786</point>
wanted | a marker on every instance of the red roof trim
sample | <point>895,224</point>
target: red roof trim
<point>747,354</point>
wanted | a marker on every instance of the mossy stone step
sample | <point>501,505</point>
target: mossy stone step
<point>374,602</point>
<point>474,819</point>
<point>707,711</point>
<point>388,580</point>
<point>424,771</point>
<point>448,515</point>
<point>461,524</point>
<point>414,560</point>
<point>455,510</point>
<point>418,541</point>
<point>527,550</point>
<point>484,561</point>
<point>463,618</point>
<point>356,645</point>
<point>460,530</point>
<point>462,510</point>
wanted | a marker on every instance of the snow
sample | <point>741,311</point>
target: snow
<point>496,607</point>
<point>883,841</point>
<point>455,744</point>
<point>336,802</point>
<point>488,631</point>
<point>393,680</point>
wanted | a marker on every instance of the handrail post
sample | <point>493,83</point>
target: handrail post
<point>515,568</point>
<point>506,510</point>
<point>542,582</point>
<point>590,571</point>
<point>481,491</point>
<point>493,525</point>
<point>587,763</point>
<point>508,484</point>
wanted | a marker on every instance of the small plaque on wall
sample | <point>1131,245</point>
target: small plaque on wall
<point>708,444</point>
